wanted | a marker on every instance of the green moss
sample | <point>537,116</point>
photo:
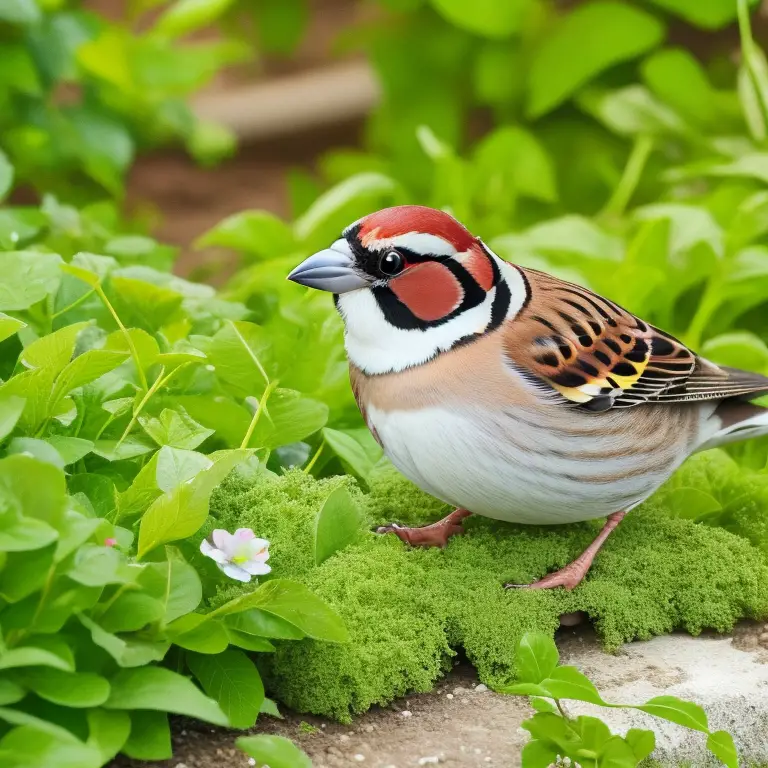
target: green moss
<point>407,610</point>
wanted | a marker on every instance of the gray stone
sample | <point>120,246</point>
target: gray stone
<point>730,684</point>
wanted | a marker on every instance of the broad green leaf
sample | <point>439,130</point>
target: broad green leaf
<point>108,731</point>
<point>142,344</point>
<point>38,449</point>
<point>489,18</point>
<point>29,747</point>
<point>123,450</point>
<point>236,352</point>
<point>590,39</point>
<point>86,368</point>
<point>539,754</point>
<point>260,624</point>
<point>194,633</point>
<point>642,742</point>
<point>274,751</point>
<point>161,689</point>
<point>186,16</point>
<point>33,488</point>
<point>175,583</point>
<point>20,11</point>
<point>11,408</point>
<point>249,642</point>
<point>231,679</point>
<point>693,503</point>
<point>9,326</point>
<point>569,683</point>
<point>10,692</point>
<point>338,524</point>
<point>88,276</point>
<point>617,753</point>
<point>150,737</point>
<point>257,233</point>
<point>28,277</point>
<point>180,513</point>
<point>281,24</point>
<point>330,210</point>
<point>69,689</point>
<point>294,603</point>
<point>175,467</point>
<point>142,304</point>
<point>720,744</point>
<point>53,351</point>
<point>128,651</point>
<point>71,449</point>
<point>676,711</point>
<point>289,418</point>
<point>175,428</point>
<point>35,656</point>
<point>537,657</point>
<point>542,705</point>
<point>131,612</point>
<point>357,452</point>
<point>96,566</point>
<point>739,349</point>
<point>268,707</point>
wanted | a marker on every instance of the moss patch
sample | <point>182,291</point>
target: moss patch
<point>407,610</point>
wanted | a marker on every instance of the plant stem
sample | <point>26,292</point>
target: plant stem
<point>633,170</point>
<point>128,339</point>
<point>314,459</point>
<point>75,303</point>
<point>256,416</point>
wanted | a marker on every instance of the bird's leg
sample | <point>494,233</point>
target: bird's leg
<point>435,535</point>
<point>573,573</point>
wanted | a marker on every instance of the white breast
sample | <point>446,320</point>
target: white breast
<point>512,469</point>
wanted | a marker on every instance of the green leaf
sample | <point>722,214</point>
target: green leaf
<point>275,751</point>
<point>20,12</point>
<point>281,24</point>
<point>39,449</point>
<point>10,692</point>
<point>720,744</point>
<point>590,39</point>
<point>489,18</point>
<point>257,623</point>
<point>175,428</point>
<point>257,233</point>
<point>29,747</point>
<point>86,368</point>
<point>128,651</point>
<point>131,612</point>
<point>56,656</point>
<point>28,277</point>
<point>186,16</point>
<point>570,683</point>
<point>96,566</point>
<point>356,449</point>
<point>294,603</point>
<point>693,503</point>
<point>539,754</point>
<point>338,524</point>
<point>69,689</point>
<point>195,632</point>
<point>108,731</point>
<point>642,742</point>
<point>11,408</point>
<point>9,326</point>
<point>6,172</point>
<point>175,467</point>
<point>180,513</point>
<point>175,584</point>
<point>537,657</point>
<point>71,449</point>
<point>249,642</point>
<point>235,353</point>
<point>161,689</point>
<point>54,351</point>
<point>739,349</point>
<point>289,418</point>
<point>268,707</point>
<point>150,737</point>
<point>676,711</point>
<point>24,534</point>
<point>232,679</point>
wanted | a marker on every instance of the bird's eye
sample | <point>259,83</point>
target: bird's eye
<point>391,263</point>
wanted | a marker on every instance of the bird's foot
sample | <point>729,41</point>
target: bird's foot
<point>435,535</point>
<point>569,577</point>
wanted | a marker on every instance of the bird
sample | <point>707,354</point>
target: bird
<point>509,393</point>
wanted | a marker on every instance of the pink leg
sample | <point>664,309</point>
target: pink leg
<point>573,573</point>
<point>435,535</point>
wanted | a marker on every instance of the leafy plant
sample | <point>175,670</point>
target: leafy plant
<point>588,741</point>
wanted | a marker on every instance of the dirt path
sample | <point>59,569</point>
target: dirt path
<point>458,724</point>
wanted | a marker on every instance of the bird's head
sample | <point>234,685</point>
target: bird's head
<point>411,282</point>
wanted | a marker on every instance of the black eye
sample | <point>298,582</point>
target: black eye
<point>391,263</point>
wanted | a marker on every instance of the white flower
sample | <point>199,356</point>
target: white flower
<point>240,554</point>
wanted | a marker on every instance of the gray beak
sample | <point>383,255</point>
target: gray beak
<point>330,270</point>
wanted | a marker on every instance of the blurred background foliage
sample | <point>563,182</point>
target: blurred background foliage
<point>618,144</point>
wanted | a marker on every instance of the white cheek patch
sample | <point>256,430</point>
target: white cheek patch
<point>419,242</point>
<point>375,346</point>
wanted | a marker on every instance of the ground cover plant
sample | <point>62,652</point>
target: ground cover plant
<point>134,403</point>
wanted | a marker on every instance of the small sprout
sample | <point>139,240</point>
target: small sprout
<point>240,555</point>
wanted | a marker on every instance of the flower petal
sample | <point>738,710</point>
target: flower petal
<point>255,568</point>
<point>244,534</point>
<point>235,572</point>
<point>210,551</point>
<point>258,548</point>
<point>222,539</point>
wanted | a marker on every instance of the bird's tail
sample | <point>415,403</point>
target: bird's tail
<point>740,421</point>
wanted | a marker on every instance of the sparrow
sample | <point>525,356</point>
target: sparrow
<point>509,393</point>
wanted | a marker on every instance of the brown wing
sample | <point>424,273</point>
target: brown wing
<point>594,353</point>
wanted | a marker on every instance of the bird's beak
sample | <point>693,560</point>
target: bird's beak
<point>330,270</point>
